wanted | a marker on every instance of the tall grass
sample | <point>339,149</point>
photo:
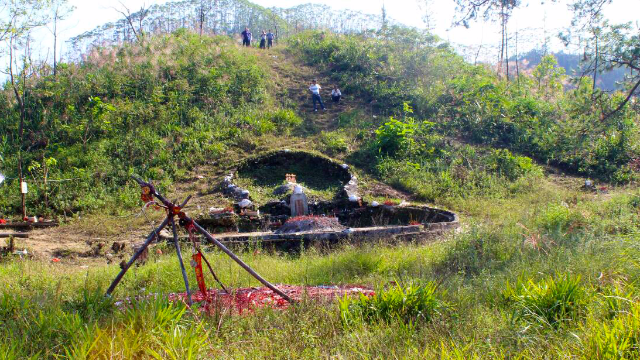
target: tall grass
<point>55,311</point>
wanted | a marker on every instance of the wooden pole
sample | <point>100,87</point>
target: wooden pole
<point>241,263</point>
<point>178,252</point>
<point>213,273</point>
<point>153,235</point>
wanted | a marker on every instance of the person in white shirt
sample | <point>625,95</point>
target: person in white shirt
<point>263,40</point>
<point>336,95</point>
<point>315,95</point>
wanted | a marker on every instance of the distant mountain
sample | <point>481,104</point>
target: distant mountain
<point>571,63</point>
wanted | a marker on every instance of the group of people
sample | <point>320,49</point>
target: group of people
<point>266,38</point>
<point>266,41</point>
<point>336,95</point>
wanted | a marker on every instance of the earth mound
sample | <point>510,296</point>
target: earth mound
<point>309,224</point>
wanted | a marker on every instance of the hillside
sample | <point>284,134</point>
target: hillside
<point>541,266</point>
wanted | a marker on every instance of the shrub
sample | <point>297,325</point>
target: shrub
<point>394,137</point>
<point>550,302</point>
<point>406,304</point>
<point>617,339</point>
<point>284,119</point>
<point>560,218</point>
<point>512,167</point>
<point>474,251</point>
<point>333,143</point>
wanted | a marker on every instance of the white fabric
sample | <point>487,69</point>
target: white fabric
<point>315,88</point>
<point>336,92</point>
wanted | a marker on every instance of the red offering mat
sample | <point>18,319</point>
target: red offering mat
<point>249,299</point>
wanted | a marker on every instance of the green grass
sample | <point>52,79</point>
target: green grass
<point>48,311</point>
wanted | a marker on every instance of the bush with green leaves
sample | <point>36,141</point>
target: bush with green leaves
<point>333,143</point>
<point>407,304</point>
<point>532,115</point>
<point>560,218</point>
<point>502,162</point>
<point>551,302</point>
<point>394,137</point>
<point>156,109</point>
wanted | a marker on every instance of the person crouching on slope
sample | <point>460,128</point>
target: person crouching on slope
<point>315,95</point>
<point>336,95</point>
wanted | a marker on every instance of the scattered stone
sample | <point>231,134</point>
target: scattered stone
<point>116,247</point>
<point>283,189</point>
<point>245,203</point>
<point>165,234</point>
<point>143,256</point>
<point>375,204</point>
<point>244,194</point>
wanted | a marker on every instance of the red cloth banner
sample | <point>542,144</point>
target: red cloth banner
<point>197,257</point>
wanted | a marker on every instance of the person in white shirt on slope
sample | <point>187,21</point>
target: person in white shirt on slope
<point>315,94</point>
<point>336,95</point>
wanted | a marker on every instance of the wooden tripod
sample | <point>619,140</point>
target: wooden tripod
<point>173,211</point>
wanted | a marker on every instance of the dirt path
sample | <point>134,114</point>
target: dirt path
<point>292,79</point>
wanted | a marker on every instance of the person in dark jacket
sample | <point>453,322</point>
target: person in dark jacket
<point>246,37</point>
<point>270,37</point>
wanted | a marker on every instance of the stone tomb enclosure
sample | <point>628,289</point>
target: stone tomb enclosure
<point>293,179</point>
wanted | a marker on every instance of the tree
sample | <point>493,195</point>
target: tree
<point>20,17</point>
<point>60,10</point>
<point>427,14</point>
<point>203,10</point>
<point>548,76</point>
<point>610,47</point>
<point>489,10</point>
<point>132,17</point>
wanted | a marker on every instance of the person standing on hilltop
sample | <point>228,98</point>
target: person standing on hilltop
<point>246,37</point>
<point>270,37</point>
<point>315,95</point>
<point>263,40</point>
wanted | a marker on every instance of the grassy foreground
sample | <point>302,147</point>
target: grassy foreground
<point>544,272</point>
